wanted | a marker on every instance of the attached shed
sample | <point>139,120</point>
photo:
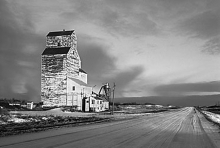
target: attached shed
<point>98,104</point>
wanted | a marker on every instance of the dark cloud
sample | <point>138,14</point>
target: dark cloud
<point>129,75</point>
<point>124,78</point>
<point>95,59</point>
<point>20,50</point>
<point>194,100</point>
<point>184,88</point>
<point>101,67</point>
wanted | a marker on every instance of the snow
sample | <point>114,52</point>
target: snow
<point>149,105</point>
<point>45,118</point>
<point>214,117</point>
<point>130,107</point>
<point>54,112</point>
<point>17,120</point>
<point>159,106</point>
<point>2,122</point>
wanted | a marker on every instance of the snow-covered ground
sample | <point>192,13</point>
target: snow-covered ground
<point>54,112</point>
<point>18,120</point>
<point>214,117</point>
<point>43,115</point>
<point>2,122</point>
<point>14,118</point>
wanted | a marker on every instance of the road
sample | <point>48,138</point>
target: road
<point>184,128</point>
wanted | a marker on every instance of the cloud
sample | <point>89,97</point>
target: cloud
<point>212,46</point>
<point>194,100</point>
<point>111,16</point>
<point>94,56</point>
<point>172,10</point>
<point>204,25</point>
<point>100,65</point>
<point>197,19</point>
<point>185,88</point>
<point>21,60</point>
<point>20,72</point>
<point>124,79</point>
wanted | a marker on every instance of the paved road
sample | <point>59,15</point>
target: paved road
<point>185,128</point>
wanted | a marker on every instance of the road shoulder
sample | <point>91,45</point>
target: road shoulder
<point>211,129</point>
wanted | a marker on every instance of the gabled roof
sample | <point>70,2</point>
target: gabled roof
<point>60,33</point>
<point>101,98</point>
<point>80,70</point>
<point>52,51</point>
<point>97,98</point>
<point>79,82</point>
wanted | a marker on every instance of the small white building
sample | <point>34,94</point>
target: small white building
<point>77,90</point>
<point>96,104</point>
<point>30,105</point>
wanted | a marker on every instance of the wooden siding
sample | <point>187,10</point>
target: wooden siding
<point>74,97</point>
<point>72,63</point>
<point>61,41</point>
<point>53,80</point>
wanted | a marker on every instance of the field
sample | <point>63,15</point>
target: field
<point>19,122</point>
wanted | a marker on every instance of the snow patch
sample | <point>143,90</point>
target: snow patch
<point>214,117</point>
<point>2,122</point>
<point>18,120</point>
<point>159,106</point>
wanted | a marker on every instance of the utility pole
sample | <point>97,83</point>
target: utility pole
<point>93,87</point>
<point>113,96</point>
<point>72,99</point>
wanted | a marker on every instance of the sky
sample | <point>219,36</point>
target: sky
<point>147,47</point>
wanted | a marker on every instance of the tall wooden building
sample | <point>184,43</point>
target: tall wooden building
<point>63,82</point>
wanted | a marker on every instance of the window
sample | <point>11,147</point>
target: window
<point>73,88</point>
<point>59,44</point>
<point>93,101</point>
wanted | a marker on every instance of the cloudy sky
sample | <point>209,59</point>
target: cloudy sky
<point>147,47</point>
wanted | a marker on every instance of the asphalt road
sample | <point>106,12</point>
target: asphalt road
<point>185,128</point>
